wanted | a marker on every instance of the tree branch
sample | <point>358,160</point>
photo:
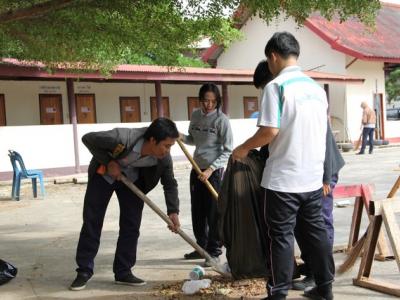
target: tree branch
<point>34,11</point>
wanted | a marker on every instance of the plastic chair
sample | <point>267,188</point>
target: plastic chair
<point>20,172</point>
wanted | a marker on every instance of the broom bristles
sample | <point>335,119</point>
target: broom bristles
<point>353,255</point>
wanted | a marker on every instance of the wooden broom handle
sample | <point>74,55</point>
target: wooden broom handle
<point>167,220</point>
<point>197,169</point>
<point>394,189</point>
<point>163,216</point>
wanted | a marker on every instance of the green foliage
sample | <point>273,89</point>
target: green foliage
<point>364,10</point>
<point>103,33</point>
<point>392,85</point>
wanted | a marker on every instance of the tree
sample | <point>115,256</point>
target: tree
<point>392,85</point>
<point>103,33</point>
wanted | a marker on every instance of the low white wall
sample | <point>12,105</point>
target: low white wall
<point>51,146</point>
<point>392,129</point>
<point>374,82</point>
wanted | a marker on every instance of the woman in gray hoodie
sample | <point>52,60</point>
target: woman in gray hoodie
<point>211,133</point>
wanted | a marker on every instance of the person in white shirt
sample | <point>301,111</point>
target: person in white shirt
<point>293,121</point>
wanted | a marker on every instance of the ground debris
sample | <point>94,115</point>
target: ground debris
<point>220,287</point>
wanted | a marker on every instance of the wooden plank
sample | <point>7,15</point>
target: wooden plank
<point>382,244</point>
<point>380,286</point>
<point>375,208</point>
<point>370,247</point>
<point>346,191</point>
<point>355,223</point>
<point>392,229</point>
<point>366,193</point>
<point>395,188</point>
<point>349,191</point>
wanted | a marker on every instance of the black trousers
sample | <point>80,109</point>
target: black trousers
<point>282,211</point>
<point>204,212</point>
<point>97,197</point>
<point>367,134</point>
<point>327,215</point>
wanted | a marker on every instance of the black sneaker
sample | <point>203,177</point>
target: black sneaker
<point>314,294</point>
<point>80,281</point>
<point>301,285</point>
<point>130,279</point>
<point>193,255</point>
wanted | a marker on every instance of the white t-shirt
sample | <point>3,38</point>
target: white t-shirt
<point>296,105</point>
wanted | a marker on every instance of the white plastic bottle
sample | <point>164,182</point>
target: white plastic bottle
<point>193,286</point>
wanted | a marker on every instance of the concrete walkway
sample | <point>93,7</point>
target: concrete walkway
<point>39,236</point>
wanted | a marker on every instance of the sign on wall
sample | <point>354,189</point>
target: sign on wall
<point>83,88</point>
<point>49,89</point>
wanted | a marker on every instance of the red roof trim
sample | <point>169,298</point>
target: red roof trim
<point>14,68</point>
<point>335,43</point>
<point>347,50</point>
<point>332,41</point>
<point>210,52</point>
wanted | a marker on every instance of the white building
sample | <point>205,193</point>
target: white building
<point>43,115</point>
<point>346,48</point>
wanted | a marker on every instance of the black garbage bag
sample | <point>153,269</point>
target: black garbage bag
<point>7,272</point>
<point>241,223</point>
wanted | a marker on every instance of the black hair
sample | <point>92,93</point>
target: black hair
<point>284,44</point>
<point>262,75</point>
<point>210,87</point>
<point>161,129</point>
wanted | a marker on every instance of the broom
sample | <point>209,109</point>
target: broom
<point>197,169</point>
<point>358,143</point>
<point>356,250</point>
<point>216,267</point>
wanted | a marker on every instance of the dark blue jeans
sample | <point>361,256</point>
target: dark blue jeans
<point>97,197</point>
<point>327,210</point>
<point>368,133</point>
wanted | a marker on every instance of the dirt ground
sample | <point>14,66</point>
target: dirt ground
<point>39,236</point>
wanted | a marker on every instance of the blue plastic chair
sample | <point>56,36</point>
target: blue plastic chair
<point>20,172</point>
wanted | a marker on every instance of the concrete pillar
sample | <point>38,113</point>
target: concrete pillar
<point>160,109</point>
<point>225,98</point>
<point>73,121</point>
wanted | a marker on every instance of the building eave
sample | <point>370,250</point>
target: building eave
<point>140,73</point>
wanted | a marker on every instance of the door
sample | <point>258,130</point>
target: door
<point>250,105</point>
<point>51,111</point>
<point>2,111</point>
<point>85,108</point>
<point>380,119</point>
<point>192,102</point>
<point>130,109</point>
<point>153,107</point>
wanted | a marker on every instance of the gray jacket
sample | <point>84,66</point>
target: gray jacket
<point>118,143</point>
<point>333,159</point>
